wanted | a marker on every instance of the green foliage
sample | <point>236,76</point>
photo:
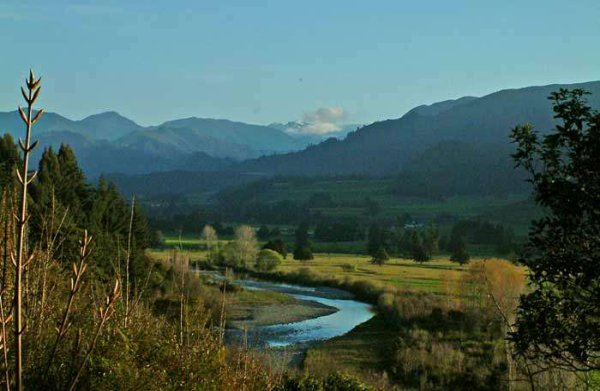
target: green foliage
<point>332,382</point>
<point>459,252</point>
<point>267,260</point>
<point>419,253</point>
<point>227,256</point>
<point>380,256</point>
<point>303,246</point>
<point>9,160</point>
<point>303,253</point>
<point>559,320</point>
<point>418,243</point>
<point>263,232</point>
<point>481,232</point>
<point>372,208</point>
<point>276,245</point>
<point>377,239</point>
<point>459,168</point>
<point>327,231</point>
<point>242,251</point>
<point>63,204</point>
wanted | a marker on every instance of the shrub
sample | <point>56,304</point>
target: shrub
<point>276,245</point>
<point>303,253</point>
<point>267,260</point>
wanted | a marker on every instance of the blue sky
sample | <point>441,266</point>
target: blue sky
<point>265,61</point>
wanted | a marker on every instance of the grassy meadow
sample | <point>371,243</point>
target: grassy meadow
<point>368,351</point>
<point>434,276</point>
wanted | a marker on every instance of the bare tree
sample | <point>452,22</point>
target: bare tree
<point>246,245</point>
<point>209,235</point>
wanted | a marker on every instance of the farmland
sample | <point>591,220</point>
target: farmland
<point>367,350</point>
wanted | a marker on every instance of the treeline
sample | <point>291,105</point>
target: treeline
<point>63,203</point>
<point>400,236</point>
<point>422,242</point>
<point>455,168</point>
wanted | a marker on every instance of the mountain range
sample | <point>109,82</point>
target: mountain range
<point>459,146</point>
<point>386,147</point>
<point>440,140</point>
<point>108,142</point>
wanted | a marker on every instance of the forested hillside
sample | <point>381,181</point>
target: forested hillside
<point>383,148</point>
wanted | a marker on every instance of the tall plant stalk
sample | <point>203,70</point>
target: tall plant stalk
<point>128,261</point>
<point>20,261</point>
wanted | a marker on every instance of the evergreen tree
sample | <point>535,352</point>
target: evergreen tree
<point>459,252</point>
<point>380,256</point>
<point>431,239</point>
<point>72,188</point>
<point>64,204</point>
<point>377,244</point>
<point>419,252</point>
<point>9,161</point>
<point>303,246</point>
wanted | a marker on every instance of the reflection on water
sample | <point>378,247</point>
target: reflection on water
<point>350,314</point>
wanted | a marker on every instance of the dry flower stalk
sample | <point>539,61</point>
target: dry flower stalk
<point>21,259</point>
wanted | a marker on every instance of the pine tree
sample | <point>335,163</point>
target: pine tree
<point>459,252</point>
<point>9,161</point>
<point>377,244</point>
<point>303,246</point>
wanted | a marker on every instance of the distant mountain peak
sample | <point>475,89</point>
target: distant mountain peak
<point>107,114</point>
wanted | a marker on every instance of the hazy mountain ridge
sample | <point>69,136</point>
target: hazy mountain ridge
<point>108,125</point>
<point>101,156</point>
<point>109,142</point>
<point>383,148</point>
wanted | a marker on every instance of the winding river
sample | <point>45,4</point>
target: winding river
<point>350,313</point>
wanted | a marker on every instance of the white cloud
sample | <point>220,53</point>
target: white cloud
<point>320,128</point>
<point>325,115</point>
<point>321,121</point>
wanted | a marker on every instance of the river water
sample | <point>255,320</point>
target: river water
<point>350,313</point>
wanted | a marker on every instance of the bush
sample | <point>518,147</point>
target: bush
<point>380,256</point>
<point>276,245</point>
<point>268,260</point>
<point>333,382</point>
<point>303,253</point>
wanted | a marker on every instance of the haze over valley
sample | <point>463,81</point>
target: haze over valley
<point>300,196</point>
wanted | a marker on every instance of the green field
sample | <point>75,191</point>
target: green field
<point>367,350</point>
<point>431,276</point>
<point>349,195</point>
<point>400,273</point>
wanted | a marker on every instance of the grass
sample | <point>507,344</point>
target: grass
<point>432,276</point>
<point>368,350</point>
<point>365,351</point>
<point>400,273</point>
<point>247,309</point>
